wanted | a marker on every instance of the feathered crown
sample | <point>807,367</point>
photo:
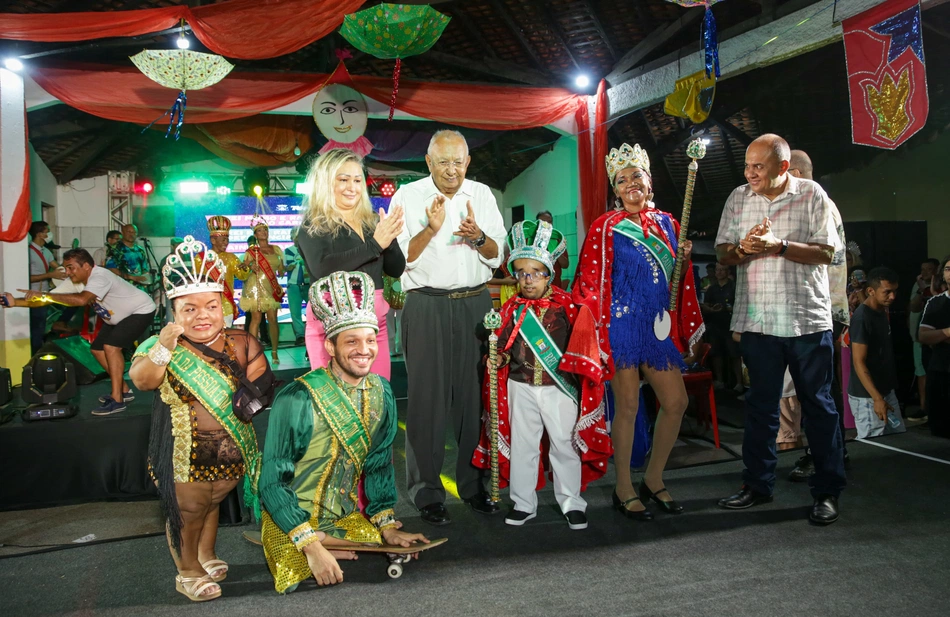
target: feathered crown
<point>536,240</point>
<point>625,156</point>
<point>219,226</point>
<point>343,301</point>
<point>192,269</point>
<point>257,221</point>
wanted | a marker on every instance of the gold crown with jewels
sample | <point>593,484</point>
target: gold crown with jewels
<point>257,221</point>
<point>625,156</point>
<point>192,269</point>
<point>343,301</point>
<point>219,226</point>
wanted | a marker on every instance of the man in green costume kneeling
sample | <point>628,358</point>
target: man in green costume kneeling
<point>326,429</point>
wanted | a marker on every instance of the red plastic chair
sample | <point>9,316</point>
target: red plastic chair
<point>700,385</point>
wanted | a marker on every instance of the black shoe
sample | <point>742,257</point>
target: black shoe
<point>576,520</point>
<point>482,504</point>
<point>670,507</point>
<point>825,510</point>
<point>435,514</point>
<point>745,498</point>
<point>804,469</point>
<point>519,518</point>
<point>642,515</point>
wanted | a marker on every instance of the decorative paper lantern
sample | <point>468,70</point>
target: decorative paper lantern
<point>709,35</point>
<point>181,70</point>
<point>394,31</point>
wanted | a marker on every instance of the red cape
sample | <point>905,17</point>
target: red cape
<point>592,286</point>
<point>590,438</point>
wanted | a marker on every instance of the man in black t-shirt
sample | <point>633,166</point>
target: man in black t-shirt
<point>935,332</point>
<point>873,374</point>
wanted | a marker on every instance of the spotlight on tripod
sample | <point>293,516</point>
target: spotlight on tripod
<point>48,384</point>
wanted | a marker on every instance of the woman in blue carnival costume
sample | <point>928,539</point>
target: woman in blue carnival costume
<point>626,284</point>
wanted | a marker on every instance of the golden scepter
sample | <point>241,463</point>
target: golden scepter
<point>695,150</point>
<point>492,323</point>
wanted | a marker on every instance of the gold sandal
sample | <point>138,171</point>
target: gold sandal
<point>216,565</point>
<point>193,587</point>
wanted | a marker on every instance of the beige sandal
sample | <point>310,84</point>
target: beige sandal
<point>193,587</point>
<point>216,565</point>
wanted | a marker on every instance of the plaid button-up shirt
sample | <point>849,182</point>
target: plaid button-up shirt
<point>775,295</point>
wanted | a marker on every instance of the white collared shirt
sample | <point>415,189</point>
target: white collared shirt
<point>774,295</point>
<point>448,261</point>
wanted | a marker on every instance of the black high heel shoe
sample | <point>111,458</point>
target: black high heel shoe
<point>670,507</point>
<point>642,515</point>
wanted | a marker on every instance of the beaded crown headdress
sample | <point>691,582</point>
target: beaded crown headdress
<point>625,156</point>
<point>257,221</point>
<point>192,269</point>
<point>219,226</point>
<point>343,301</point>
<point>536,240</point>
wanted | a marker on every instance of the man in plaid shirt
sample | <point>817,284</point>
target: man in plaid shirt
<point>779,232</point>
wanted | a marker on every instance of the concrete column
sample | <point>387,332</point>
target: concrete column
<point>14,265</point>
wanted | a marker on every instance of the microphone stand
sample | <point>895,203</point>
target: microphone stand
<point>154,286</point>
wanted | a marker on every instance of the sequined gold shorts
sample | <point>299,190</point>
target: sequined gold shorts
<point>214,456</point>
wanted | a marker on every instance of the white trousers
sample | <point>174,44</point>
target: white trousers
<point>533,410</point>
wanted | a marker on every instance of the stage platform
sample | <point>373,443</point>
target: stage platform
<point>89,458</point>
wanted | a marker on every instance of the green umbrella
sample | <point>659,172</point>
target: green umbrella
<point>394,31</point>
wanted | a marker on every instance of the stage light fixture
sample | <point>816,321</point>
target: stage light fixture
<point>582,81</point>
<point>193,187</point>
<point>13,64</point>
<point>183,42</point>
<point>48,383</point>
<point>256,182</point>
<point>144,187</point>
<point>387,188</point>
<point>303,188</point>
<point>706,141</point>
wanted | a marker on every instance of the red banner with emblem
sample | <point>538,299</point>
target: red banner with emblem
<point>887,77</point>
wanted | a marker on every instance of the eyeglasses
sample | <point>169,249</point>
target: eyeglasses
<point>446,164</point>
<point>527,277</point>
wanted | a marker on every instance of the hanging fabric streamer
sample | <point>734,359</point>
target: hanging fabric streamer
<point>709,36</point>
<point>710,42</point>
<point>392,103</point>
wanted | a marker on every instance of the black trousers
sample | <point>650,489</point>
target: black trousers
<point>443,340</point>
<point>938,402</point>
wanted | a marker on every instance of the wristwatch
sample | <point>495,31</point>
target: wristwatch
<point>482,239</point>
<point>784,248</point>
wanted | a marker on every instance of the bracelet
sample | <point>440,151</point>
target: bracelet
<point>303,535</point>
<point>160,355</point>
<point>784,248</point>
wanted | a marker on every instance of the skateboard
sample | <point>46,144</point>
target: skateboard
<point>396,555</point>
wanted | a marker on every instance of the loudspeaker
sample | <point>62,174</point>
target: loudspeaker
<point>76,350</point>
<point>6,387</point>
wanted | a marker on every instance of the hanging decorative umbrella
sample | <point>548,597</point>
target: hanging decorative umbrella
<point>709,36</point>
<point>181,70</point>
<point>394,31</point>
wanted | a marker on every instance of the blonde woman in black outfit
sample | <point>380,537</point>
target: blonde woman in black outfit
<point>340,231</point>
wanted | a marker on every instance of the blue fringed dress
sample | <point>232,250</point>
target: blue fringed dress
<point>640,292</point>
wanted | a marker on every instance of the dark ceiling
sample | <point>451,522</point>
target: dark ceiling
<point>539,42</point>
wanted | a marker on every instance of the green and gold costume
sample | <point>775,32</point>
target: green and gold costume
<point>322,435</point>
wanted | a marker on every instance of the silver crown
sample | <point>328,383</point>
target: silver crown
<point>192,269</point>
<point>343,301</point>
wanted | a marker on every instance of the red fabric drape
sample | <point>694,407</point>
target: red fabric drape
<point>125,94</point>
<point>248,29</point>
<point>590,158</point>
<point>20,221</point>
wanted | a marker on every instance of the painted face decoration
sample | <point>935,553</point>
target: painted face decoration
<point>340,113</point>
